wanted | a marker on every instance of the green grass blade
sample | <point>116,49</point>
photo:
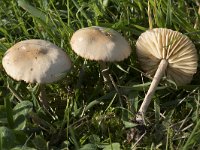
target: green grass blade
<point>9,112</point>
<point>193,138</point>
<point>32,10</point>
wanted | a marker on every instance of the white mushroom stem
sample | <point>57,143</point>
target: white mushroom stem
<point>105,73</point>
<point>158,75</point>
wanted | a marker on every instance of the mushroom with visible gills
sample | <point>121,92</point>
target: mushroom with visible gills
<point>36,61</point>
<point>100,44</point>
<point>164,52</point>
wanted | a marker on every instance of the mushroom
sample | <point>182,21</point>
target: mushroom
<point>164,52</point>
<point>100,44</point>
<point>36,61</point>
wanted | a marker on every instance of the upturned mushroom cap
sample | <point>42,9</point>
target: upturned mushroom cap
<point>36,61</point>
<point>160,43</point>
<point>99,43</point>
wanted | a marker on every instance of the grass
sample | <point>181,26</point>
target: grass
<point>87,116</point>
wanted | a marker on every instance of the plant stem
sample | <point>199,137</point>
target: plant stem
<point>45,101</point>
<point>81,75</point>
<point>158,75</point>
<point>43,97</point>
<point>105,73</point>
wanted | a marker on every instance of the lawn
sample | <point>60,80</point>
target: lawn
<point>83,113</point>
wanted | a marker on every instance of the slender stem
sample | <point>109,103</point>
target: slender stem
<point>43,97</point>
<point>158,75</point>
<point>81,75</point>
<point>44,101</point>
<point>105,73</point>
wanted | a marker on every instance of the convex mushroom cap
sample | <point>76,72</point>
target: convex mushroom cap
<point>160,43</point>
<point>36,61</point>
<point>101,44</point>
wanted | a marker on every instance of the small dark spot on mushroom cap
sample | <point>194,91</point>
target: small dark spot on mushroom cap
<point>108,34</point>
<point>31,69</point>
<point>43,51</point>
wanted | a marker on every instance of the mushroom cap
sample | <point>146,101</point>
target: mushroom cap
<point>36,61</point>
<point>160,43</point>
<point>101,44</point>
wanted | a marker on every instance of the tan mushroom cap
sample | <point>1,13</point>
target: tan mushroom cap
<point>36,61</point>
<point>99,43</point>
<point>160,43</point>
